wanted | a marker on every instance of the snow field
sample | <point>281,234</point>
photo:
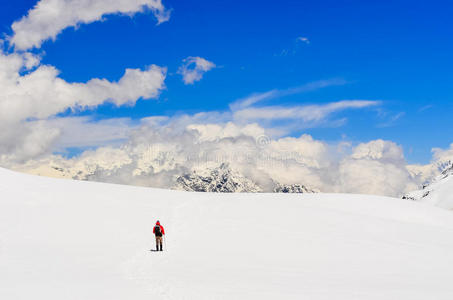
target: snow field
<point>63,239</point>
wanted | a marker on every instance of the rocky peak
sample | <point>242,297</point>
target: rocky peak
<point>292,188</point>
<point>221,180</point>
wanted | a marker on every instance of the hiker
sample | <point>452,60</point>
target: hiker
<point>158,231</point>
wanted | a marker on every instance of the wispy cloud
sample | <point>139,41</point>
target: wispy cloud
<point>254,98</point>
<point>303,113</point>
<point>273,94</point>
<point>295,117</point>
<point>303,39</point>
<point>193,69</point>
<point>424,108</point>
<point>392,120</point>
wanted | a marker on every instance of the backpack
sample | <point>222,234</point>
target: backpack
<point>157,230</point>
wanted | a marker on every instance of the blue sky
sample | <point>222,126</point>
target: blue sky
<point>397,52</point>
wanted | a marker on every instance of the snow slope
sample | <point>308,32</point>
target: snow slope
<point>438,192</point>
<point>63,239</point>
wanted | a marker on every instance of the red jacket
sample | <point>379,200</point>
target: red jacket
<point>161,228</point>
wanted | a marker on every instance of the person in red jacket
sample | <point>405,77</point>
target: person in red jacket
<point>158,231</point>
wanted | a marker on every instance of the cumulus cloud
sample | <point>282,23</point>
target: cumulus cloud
<point>160,149</point>
<point>31,92</point>
<point>40,93</point>
<point>442,159</point>
<point>48,18</point>
<point>193,69</point>
<point>377,167</point>
<point>21,141</point>
<point>443,155</point>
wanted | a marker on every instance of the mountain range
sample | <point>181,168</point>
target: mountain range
<point>223,179</point>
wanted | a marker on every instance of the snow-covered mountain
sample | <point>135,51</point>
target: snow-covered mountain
<point>66,239</point>
<point>221,179</point>
<point>224,180</point>
<point>437,191</point>
<point>293,188</point>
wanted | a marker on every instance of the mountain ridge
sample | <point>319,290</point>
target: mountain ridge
<point>223,179</point>
<point>437,191</point>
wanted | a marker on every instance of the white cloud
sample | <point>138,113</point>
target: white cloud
<point>253,99</point>
<point>251,108</point>
<point>310,115</point>
<point>377,167</point>
<point>163,147</point>
<point>193,69</point>
<point>21,141</point>
<point>378,150</point>
<point>155,154</point>
<point>30,91</point>
<point>391,121</point>
<point>303,39</point>
<point>443,155</point>
<point>40,93</point>
<point>308,87</point>
<point>48,18</point>
<point>214,132</point>
<point>374,177</point>
<point>158,150</point>
<point>442,159</point>
<point>84,132</point>
<point>426,107</point>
